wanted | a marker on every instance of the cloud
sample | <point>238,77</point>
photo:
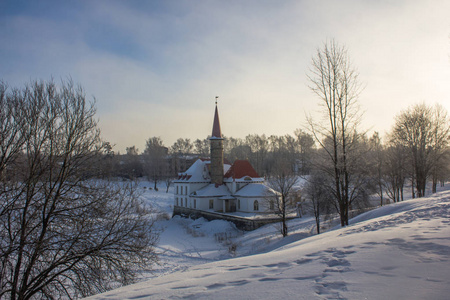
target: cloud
<point>155,67</point>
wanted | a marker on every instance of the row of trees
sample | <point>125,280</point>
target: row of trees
<point>348,167</point>
<point>63,233</point>
<point>161,163</point>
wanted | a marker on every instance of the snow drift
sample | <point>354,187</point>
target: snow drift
<point>399,251</point>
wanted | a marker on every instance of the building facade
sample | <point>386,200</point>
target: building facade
<point>212,185</point>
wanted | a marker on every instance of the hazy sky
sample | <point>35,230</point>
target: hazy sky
<point>155,67</point>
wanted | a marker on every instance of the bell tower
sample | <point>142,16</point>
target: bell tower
<point>216,144</point>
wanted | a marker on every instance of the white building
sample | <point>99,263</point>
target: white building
<point>211,185</point>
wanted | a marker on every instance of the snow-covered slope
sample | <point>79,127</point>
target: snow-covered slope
<point>399,251</point>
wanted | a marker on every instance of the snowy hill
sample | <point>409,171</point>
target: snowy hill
<point>399,251</point>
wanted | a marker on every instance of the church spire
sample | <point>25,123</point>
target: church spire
<point>216,144</point>
<point>216,133</point>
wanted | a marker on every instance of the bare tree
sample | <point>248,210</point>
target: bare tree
<point>179,152</point>
<point>62,233</point>
<point>377,158</point>
<point>306,144</point>
<point>259,147</point>
<point>237,149</point>
<point>155,156</point>
<point>440,144</point>
<point>201,147</point>
<point>335,82</point>
<point>443,173</point>
<point>283,181</point>
<point>132,163</point>
<point>12,122</point>
<point>394,172</point>
<point>425,132</point>
<point>107,161</point>
<point>319,195</point>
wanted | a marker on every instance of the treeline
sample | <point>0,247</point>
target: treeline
<point>161,163</point>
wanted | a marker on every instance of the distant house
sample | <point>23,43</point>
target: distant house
<point>211,185</point>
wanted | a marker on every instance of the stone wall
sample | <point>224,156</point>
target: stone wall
<point>241,223</point>
<point>216,166</point>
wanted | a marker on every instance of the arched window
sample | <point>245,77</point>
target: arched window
<point>211,204</point>
<point>256,205</point>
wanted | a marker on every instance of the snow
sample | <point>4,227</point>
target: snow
<point>212,190</point>
<point>254,190</point>
<point>398,251</point>
<point>198,172</point>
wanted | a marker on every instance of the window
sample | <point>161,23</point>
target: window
<point>239,203</point>
<point>272,205</point>
<point>211,204</point>
<point>177,193</point>
<point>185,190</point>
<point>195,203</point>
<point>255,205</point>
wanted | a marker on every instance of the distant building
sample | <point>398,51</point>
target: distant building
<point>212,185</point>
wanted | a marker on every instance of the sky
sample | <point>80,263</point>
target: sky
<point>155,67</point>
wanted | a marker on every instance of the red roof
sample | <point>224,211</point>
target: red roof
<point>241,168</point>
<point>216,133</point>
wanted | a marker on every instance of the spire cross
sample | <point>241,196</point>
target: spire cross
<point>216,99</point>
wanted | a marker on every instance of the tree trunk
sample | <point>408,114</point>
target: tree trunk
<point>318,224</point>
<point>434,185</point>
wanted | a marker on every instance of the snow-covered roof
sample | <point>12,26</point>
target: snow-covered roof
<point>226,167</point>
<point>212,190</point>
<point>255,190</point>
<point>198,172</point>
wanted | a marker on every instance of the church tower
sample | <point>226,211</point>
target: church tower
<point>216,141</point>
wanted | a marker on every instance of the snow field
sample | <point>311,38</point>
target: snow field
<point>399,251</point>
